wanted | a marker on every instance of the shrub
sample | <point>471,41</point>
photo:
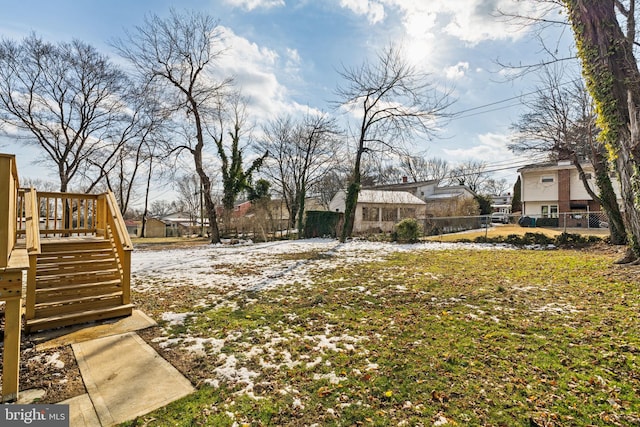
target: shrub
<point>536,239</point>
<point>407,231</point>
<point>569,239</point>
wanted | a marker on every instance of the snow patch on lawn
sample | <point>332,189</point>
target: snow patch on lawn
<point>226,271</point>
<point>175,319</point>
<point>331,376</point>
<point>556,308</point>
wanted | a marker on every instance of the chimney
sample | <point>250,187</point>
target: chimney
<point>404,179</point>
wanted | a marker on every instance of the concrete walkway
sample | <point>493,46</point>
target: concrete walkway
<point>124,376</point>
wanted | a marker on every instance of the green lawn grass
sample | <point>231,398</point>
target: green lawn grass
<point>459,337</point>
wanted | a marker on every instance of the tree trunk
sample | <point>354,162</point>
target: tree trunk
<point>609,201</point>
<point>210,207</point>
<point>607,198</point>
<point>352,197</point>
<point>301,200</point>
<point>146,199</point>
<point>612,77</point>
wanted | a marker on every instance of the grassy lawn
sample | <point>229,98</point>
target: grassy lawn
<point>454,337</point>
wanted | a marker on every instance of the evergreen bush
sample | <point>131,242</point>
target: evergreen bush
<point>408,231</point>
<point>321,224</point>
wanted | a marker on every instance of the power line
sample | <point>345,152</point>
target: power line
<point>517,97</point>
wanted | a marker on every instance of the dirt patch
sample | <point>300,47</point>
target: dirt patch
<point>55,371</point>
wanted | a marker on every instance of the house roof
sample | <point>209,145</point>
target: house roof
<point>451,191</point>
<point>390,197</point>
<point>443,196</point>
<point>559,165</point>
<point>404,185</point>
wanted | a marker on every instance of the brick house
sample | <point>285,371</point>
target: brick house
<point>549,189</point>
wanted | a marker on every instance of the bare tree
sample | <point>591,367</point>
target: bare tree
<point>177,55</point>
<point>188,188</point>
<point>606,51</point>
<point>393,101</point>
<point>329,185</point>
<point>140,134</point>
<point>161,208</point>
<point>67,99</point>
<point>232,122</point>
<point>560,122</point>
<point>301,153</point>
<point>471,173</point>
<point>419,168</point>
<point>495,187</point>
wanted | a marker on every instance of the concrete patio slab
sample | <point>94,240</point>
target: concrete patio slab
<point>81,412</point>
<point>126,378</point>
<point>67,336</point>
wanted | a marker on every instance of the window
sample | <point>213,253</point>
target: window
<point>546,179</point>
<point>549,211</point>
<point>407,213</point>
<point>369,213</point>
<point>390,214</point>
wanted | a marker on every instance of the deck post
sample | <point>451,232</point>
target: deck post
<point>13,262</point>
<point>11,292</point>
<point>11,361</point>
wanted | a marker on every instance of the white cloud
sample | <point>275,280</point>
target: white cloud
<point>255,4</point>
<point>425,25</point>
<point>255,70</point>
<point>293,61</point>
<point>491,146</point>
<point>456,72</point>
<point>374,10</point>
<point>468,20</point>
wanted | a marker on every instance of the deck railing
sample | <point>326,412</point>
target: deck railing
<point>62,214</point>
<point>110,220</point>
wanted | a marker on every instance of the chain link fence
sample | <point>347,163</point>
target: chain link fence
<point>565,221</point>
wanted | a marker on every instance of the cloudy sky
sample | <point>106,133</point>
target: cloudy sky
<point>285,54</point>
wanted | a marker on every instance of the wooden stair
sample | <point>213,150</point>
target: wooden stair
<point>77,281</point>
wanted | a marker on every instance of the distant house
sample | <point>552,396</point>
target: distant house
<point>185,219</point>
<point>153,228</point>
<point>380,210</point>
<point>548,189</point>
<point>277,210</point>
<point>180,223</point>
<point>439,200</point>
<point>502,203</point>
<point>132,226</point>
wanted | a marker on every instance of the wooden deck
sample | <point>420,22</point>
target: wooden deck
<point>77,280</point>
<point>77,255</point>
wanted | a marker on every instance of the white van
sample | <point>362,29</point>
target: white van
<point>502,217</point>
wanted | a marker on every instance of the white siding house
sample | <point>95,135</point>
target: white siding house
<point>440,201</point>
<point>379,210</point>
<point>548,189</point>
